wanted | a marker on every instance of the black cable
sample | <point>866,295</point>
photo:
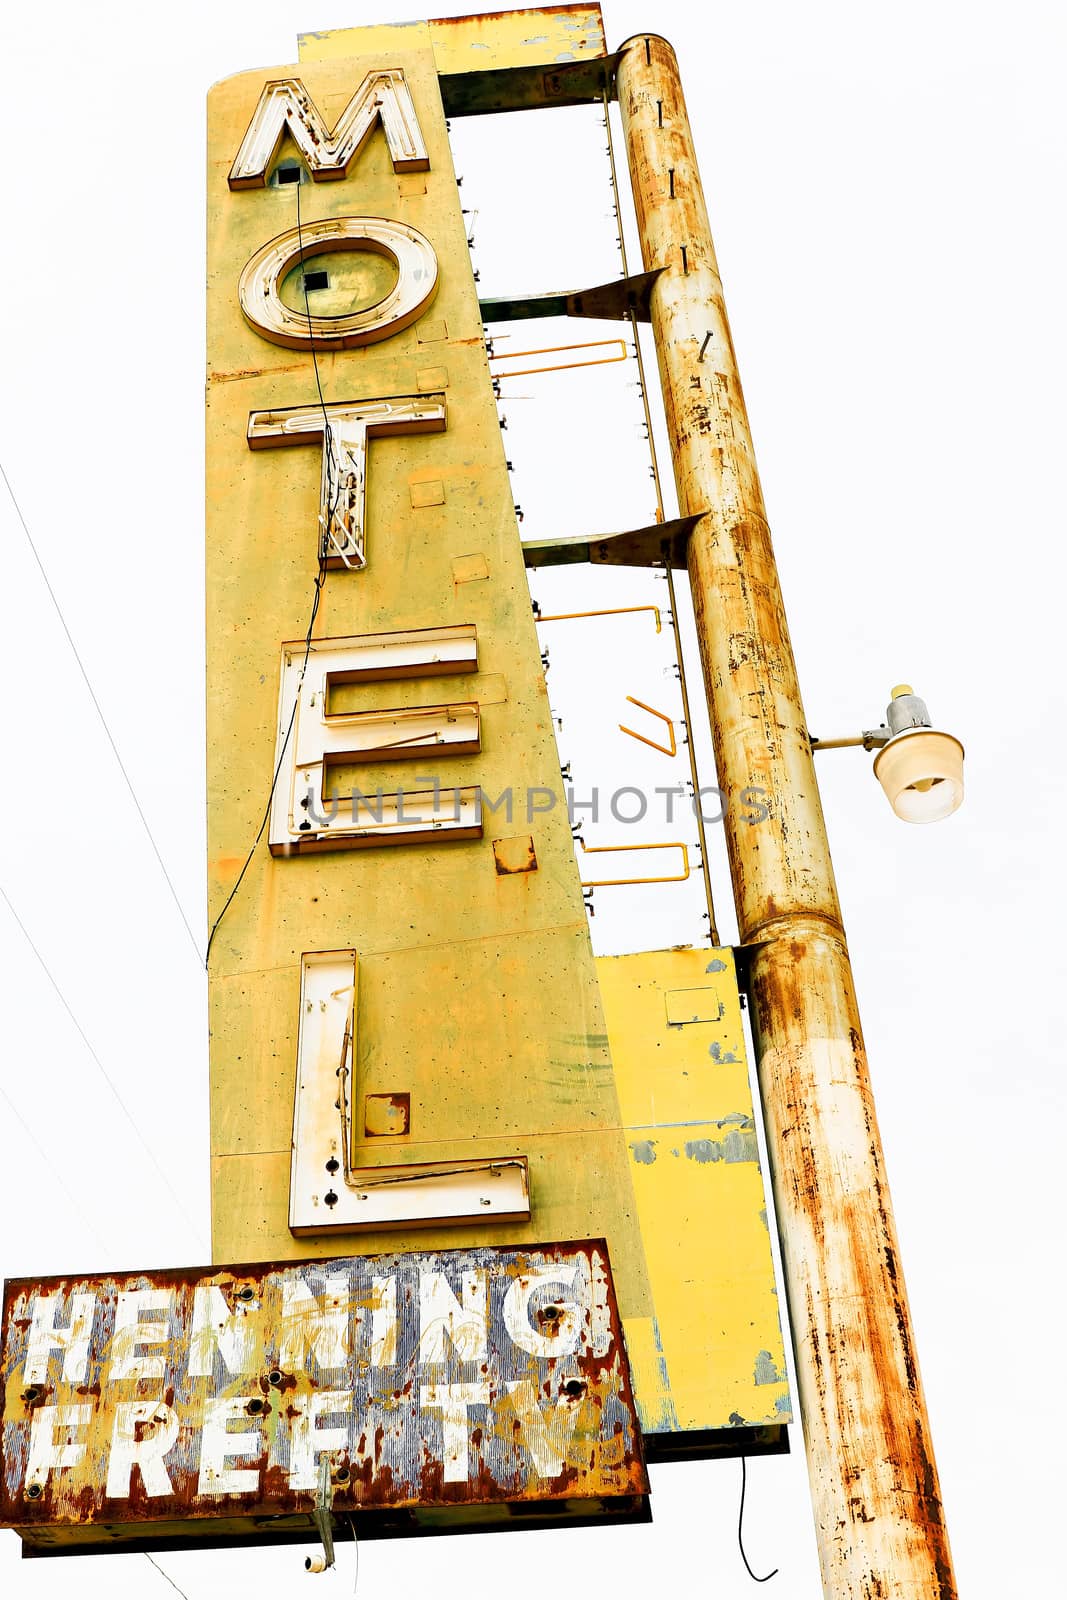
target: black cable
<point>99,710</point>
<point>319,581</point>
<point>332,492</point>
<point>166,1575</point>
<point>740,1540</point>
<point>307,308</point>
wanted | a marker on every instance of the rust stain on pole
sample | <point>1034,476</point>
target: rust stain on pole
<point>874,1482</point>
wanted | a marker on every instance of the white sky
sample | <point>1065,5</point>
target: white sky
<point>886,188</point>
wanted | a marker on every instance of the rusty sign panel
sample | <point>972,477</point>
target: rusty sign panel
<point>444,1389</point>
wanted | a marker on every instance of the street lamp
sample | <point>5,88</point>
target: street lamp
<point>920,770</point>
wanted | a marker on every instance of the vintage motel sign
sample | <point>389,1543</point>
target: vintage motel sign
<point>484,1384</point>
<point>414,1053</point>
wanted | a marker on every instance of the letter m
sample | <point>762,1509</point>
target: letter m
<point>286,104</point>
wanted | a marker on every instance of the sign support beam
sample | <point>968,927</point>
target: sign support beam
<point>874,1483</point>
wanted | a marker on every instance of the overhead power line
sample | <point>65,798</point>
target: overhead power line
<point>99,1064</point>
<point>100,713</point>
<point>48,1158</point>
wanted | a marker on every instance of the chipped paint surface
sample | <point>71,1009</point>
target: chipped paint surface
<point>489,41</point>
<point>436,1379</point>
<point>874,1479</point>
<point>691,1133</point>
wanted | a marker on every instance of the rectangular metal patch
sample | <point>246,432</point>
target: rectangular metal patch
<point>435,1381</point>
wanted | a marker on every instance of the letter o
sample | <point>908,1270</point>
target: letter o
<point>617,796</point>
<point>409,250</point>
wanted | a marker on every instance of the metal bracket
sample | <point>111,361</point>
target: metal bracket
<point>870,739</point>
<point>610,611</point>
<point>622,299</point>
<point>659,544</point>
<point>558,366</point>
<point>324,1509</point>
<point>612,883</point>
<point>525,88</point>
<point>667,750</point>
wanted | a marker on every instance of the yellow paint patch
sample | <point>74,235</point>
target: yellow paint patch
<point>468,569</point>
<point>428,493</point>
<point>534,37</point>
<point>690,1130</point>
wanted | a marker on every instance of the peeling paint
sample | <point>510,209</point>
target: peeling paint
<point>867,1434</point>
<point>766,1370</point>
<point>737,1146</point>
<point>548,1414</point>
<point>644,1151</point>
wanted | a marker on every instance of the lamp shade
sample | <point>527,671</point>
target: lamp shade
<point>922,774</point>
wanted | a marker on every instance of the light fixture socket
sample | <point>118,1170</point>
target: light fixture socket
<point>906,710</point>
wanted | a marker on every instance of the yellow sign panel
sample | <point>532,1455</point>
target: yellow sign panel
<point>412,1046</point>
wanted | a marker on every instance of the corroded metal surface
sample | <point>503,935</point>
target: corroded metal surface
<point>478,997</point>
<point>443,1379</point>
<point>874,1480</point>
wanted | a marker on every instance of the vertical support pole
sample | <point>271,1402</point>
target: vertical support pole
<point>874,1484</point>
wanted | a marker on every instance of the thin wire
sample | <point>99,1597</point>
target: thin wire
<point>740,1540</point>
<point>99,1064</point>
<point>166,1575</point>
<point>694,773</point>
<point>307,310</point>
<point>78,1210</point>
<point>333,491</point>
<point>49,1160</point>
<point>355,1549</point>
<point>99,711</point>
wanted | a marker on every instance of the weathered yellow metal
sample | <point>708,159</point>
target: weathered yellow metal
<point>408,1045</point>
<point>478,993</point>
<point>677,1041</point>
<point>478,1046</point>
<point>873,1476</point>
<point>485,43</point>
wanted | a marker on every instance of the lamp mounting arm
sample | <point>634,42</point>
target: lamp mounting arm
<point>870,739</point>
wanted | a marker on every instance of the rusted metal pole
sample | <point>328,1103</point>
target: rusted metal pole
<point>874,1484</point>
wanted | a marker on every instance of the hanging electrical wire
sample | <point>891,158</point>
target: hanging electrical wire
<point>332,496</point>
<point>166,1575</point>
<point>100,713</point>
<point>99,1064</point>
<point>740,1538</point>
<point>355,1555</point>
